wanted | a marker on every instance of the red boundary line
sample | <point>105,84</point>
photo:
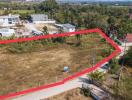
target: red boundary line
<point>88,70</point>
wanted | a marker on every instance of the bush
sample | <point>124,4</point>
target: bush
<point>114,66</point>
<point>105,52</point>
<point>128,58</point>
<point>96,76</point>
<point>85,92</point>
<point>102,40</point>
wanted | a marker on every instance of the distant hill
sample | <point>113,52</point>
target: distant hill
<point>93,0</point>
<point>15,0</point>
<point>107,2</point>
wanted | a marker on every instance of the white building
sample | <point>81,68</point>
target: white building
<point>41,19</point>
<point>10,20</point>
<point>125,45</point>
<point>7,32</point>
<point>66,27</point>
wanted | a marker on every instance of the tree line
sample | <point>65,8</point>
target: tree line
<point>108,18</point>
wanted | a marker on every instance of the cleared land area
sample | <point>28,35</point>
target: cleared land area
<point>35,63</point>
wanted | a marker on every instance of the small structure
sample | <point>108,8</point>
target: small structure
<point>7,32</point>
<point>66,27</point>
<point>126,44</point>
<point>128,40</point>
<point>41,18</point>
<point>9,20</point>
<point>66,69</point>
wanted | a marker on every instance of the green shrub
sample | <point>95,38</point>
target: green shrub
<point>114,66</point>
<point>85,92</point>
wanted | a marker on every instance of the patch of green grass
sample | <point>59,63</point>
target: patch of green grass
<point>18,11</point>
<point>23,11</point>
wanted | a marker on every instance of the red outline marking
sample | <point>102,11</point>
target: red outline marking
<point>88,70</point>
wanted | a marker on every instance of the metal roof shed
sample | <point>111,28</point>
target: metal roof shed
<point>39,17</point>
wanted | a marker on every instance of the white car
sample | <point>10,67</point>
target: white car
<point>7,32</point>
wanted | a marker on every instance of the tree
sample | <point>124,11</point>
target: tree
<point>111,20</point>
<point>48,5</point>
<point>78,37</point>
<point>45,30</point>
<point>114,66</point>
<point>25,16</point>
<point>128,57</point>
<point>124,27</point>
<point>123,89</point>
<point>85,92</point>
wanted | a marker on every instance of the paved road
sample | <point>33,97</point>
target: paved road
<point>45,93</point>
<point>123,49</point>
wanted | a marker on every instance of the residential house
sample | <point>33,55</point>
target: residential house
<point>128,40</point>
<point>41,19</point>
<point>68,28</point>
<point>9,20</point>
<point>125,44</point>
<point>6,32</point>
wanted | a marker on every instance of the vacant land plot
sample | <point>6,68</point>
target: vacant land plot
<point>38,63</point>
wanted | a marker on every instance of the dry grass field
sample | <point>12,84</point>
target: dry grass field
<point>44,65</point>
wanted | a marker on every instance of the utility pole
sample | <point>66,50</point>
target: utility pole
<point>94,56</point>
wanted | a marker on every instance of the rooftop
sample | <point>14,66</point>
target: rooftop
<point>9,16</point>
<point>129,37</point>
<point>39,17</point>
<point>68,25</point>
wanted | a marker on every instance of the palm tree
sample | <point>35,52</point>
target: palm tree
<point>45,32</point>
<point>96,76</point>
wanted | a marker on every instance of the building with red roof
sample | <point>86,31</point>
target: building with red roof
<point>129,38</point>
